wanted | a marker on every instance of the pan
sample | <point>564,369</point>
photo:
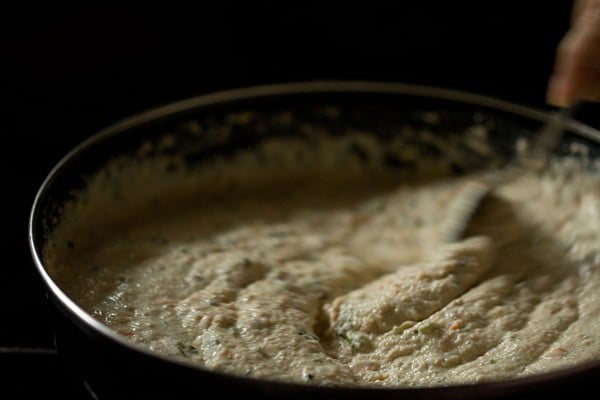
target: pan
<point>208,132</point>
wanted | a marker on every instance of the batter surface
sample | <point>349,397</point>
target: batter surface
<point>346,280</point>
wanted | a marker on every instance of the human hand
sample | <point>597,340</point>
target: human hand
<point>576,73</point>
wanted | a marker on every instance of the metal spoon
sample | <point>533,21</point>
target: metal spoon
<point>468,201</point>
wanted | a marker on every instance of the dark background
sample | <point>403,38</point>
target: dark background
<point>66,74</point>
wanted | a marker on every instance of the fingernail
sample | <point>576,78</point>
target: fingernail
<point>557,94</point>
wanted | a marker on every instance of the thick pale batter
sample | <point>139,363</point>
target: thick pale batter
<point>346,280</point>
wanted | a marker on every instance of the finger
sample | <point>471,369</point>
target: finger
<point>577,68</point>
<point>586,14</point>
<point>576,75</point>
<point>563,84</point>
<point>578,7</point>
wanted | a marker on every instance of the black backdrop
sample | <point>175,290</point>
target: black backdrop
<point>66,74</point>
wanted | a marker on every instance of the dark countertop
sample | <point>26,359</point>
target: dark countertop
<point>66,75</point>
